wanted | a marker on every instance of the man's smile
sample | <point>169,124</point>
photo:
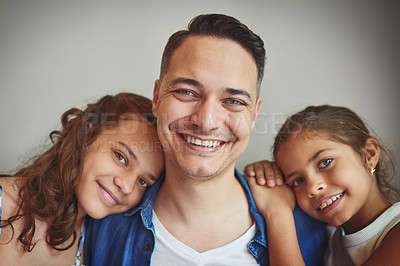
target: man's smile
<point>203,143</point>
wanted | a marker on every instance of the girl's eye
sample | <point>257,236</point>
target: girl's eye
<point>120,157</point>
<point>143,183</point>
<point>325,162</point>
<point>297,182</point>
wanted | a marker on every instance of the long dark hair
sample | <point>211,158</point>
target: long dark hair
<point>49,183</point>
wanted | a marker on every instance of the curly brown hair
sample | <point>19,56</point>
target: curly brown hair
<point>48,191</point>
<point>343,126</point>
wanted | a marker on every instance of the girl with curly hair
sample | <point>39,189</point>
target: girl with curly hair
<point>101,162</point>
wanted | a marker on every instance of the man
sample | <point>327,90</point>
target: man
<point>202,213</point>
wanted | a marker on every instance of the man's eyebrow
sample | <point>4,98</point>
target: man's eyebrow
<point>131,153</point>
<point>313,158</point>
<point>232,91</point>
<point>188,81</point>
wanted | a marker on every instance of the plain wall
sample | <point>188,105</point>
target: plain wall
<point>58,54</point>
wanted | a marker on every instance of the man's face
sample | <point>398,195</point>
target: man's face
<point>206,106</point>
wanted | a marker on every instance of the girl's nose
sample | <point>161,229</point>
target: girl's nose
<point>125,184</point>
<point>315,186</point>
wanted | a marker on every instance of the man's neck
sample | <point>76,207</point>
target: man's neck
<point>203,214</point>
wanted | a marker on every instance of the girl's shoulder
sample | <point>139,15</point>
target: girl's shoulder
<point>387,253</point>
<point>11,184</point>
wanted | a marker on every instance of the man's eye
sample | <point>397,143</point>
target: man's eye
<point>235,105</point>
<point>235,102</point>
<point>143,183</point>
<point>185,92</point>
<point>325,162</point>
<point>120,157</point>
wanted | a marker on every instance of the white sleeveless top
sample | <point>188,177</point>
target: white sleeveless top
<point>168,251</point>
<point>356,248</point>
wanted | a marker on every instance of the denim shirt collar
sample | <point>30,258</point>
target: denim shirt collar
<point>146,205</point>
<point>146,208</point>
<point>258,218</point>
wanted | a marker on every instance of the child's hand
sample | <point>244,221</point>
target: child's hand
<point>271,200</point>
<point>265,172</point>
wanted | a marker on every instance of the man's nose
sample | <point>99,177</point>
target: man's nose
<point>208,115</point>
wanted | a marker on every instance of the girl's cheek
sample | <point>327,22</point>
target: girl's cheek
<point>302,200</point>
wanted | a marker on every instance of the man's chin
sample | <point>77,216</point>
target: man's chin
<point>200,174</point>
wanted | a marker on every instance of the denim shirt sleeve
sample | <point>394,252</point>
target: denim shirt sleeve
<point>310,233</point>
<point>123,239</point>
<point>118,240</point>
<point>312,237</point>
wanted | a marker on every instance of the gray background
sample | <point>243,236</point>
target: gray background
<point>59,54</point>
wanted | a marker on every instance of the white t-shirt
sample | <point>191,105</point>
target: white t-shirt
<point>168,251</point>
<point>356,248</point>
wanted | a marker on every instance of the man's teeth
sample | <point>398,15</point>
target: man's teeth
<point>203,143</point>
<point>329,201</point>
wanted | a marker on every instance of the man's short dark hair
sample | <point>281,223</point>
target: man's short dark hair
<point>219,26</point>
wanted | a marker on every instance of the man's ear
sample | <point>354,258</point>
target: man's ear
<point>372,152</point>
<point>256,112</point>
<point>155,98</point>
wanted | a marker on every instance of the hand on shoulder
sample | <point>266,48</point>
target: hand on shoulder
<point>271,199</point>
<point>266,173</point>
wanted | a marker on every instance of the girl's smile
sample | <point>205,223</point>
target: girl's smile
<point>329,203</point>
<point>330,179</point>
<point>118,168</point>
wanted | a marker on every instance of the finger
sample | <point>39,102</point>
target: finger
<point>249,170</point>
<point>278,175</point>
<point>252,182</point>
<point>260,173</point>
<point>269,173</point>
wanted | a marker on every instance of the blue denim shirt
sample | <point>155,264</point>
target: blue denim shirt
<point>128,238</point>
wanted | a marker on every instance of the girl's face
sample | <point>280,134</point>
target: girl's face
<point>118,168</point>
<point>328,178</point>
